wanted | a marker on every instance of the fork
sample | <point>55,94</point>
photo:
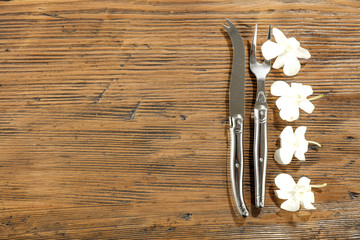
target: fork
<point>260,122</point>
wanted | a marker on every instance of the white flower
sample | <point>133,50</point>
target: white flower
<point>292,98</point>
<point>292,144</point>
<point>287,51</point>
<point>296,193</point>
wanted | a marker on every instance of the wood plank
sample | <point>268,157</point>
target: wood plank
<point>114,119</point>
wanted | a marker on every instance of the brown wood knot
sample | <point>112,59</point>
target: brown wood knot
<point>350,138</point>
<point>353,195</point>
<point>170,229</point>
<point>186,216</point>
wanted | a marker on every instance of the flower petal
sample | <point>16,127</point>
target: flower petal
<point>306,90</point>
<point>280,88</point>
<point>307,200</point>
<point>289,142</point>
<point>285,182</point>
<point>304,182</point>
<point>292,65</point>
<point>280,38</point>
<point>293,43</point>
<point>284,155</point>
<point>291,204</point>
<point>285,101</point>
<point>302,90</point>
<point>288,138</point>
<point>297,87</point>
<point>287,133</point>
<point>271,49</point>
<point>302,148</point>
<point>309,196</point>
<point>300,155</point>
<point>289,113</point>
<point>280,61</point>
<point>307,106</point>
<point>302,53</point>
<point>302,144</point>
<point>308,205</point>
<point>284,194</point>
<point>300,132</point>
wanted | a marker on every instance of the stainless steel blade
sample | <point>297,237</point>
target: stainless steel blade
<point>237,81</point>
<point>236,119</point>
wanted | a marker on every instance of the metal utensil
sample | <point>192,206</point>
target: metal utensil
<point>236,118</point>
<point>260,125</point>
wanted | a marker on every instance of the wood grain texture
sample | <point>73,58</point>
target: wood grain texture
<point>114,119</point>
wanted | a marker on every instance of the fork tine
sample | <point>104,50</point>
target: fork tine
<point>268,62</point>
<point>231,25</point>
<point>253,47</point>
<point>229,22</point>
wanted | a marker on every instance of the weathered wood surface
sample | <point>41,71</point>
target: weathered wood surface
<point>114,119</point>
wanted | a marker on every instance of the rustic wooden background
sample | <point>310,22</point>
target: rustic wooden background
<point>114,119</point>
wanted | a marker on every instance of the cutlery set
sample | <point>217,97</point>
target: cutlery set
<point>237,117</point>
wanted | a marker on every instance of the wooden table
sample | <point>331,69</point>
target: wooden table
<point>114,119</point>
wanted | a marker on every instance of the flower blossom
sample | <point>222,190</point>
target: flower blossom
<point>291,98</point>
<point>296,194</point>
<point>287,51</point>
<point>292,143</point>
